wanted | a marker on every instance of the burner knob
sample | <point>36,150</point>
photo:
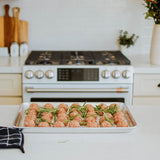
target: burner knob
<point>105,74</point>
<point>49,74</point>
<point>29,74</point>
<point>39,74</point>
<point>126,74</point>
<point>116,74</point>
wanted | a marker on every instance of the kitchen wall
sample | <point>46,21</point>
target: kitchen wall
<point>83,24</point>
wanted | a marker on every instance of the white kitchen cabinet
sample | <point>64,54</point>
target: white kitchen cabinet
<point>10,89</point>
<point>146,89</point>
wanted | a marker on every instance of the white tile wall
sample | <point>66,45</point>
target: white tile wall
<point>83,24</point>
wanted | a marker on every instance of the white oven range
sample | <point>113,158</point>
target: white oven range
<point>77,82</point>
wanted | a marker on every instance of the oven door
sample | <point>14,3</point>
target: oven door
<point>77,93</point>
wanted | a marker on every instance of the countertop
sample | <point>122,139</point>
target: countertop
<point>140,63</point>
<point>142,144</point>
<point>11,64</point>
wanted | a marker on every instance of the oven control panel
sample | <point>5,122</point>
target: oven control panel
<point>76,74</point>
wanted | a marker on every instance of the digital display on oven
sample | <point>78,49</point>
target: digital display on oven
<point>78,74</point>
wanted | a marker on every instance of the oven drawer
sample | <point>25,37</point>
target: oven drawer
<point>10,85</point>
<point>147,85</point>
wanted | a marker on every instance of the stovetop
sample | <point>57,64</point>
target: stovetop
<point>77,58</point>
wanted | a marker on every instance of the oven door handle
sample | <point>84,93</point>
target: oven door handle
<point>77,90</point>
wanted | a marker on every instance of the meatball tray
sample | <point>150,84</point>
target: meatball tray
<point>76,117</point>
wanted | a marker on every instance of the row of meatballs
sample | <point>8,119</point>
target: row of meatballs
<point>75,116</point>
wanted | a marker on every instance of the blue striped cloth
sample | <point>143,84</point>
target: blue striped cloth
<point>11,138</point>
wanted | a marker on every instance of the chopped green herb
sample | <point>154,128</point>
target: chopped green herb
<point>71,118</point>
<point>27,111</point>
<point>110,120</point>
<point>112,110</point>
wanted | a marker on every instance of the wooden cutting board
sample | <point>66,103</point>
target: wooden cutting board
<point>20,31</point>
<point>1,31</point>
<point>16,24</point>
<point>12,29</point>
<point>7,27</point>
<point>23,31</point>
<point>5,23</point>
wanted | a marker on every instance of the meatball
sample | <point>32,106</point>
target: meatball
<point>119,113</point>
<point>75,104</point>
<point>105,124</point>
<point>62,105</point>
<point>90,108</point>
<point>47,118</point>
<point>118,118</point>
<point>63,119</point>
<point>79,119</point>
<point>43,124</point>
<point>74,124</point>
<point>49,114</point>
<point>113,104</point>
<point>49,106</point>
<point>61,110</point>
<point>28,122</point>
<point>58,124</point>
<point>122,123</point>
<point>74,113</point>
<point>31,116</point>
<point>34,106</point>
<point>103,107</point>
<point>103,118</point>
<point>92,114</point>
<point>62,114</point>
<point>90,119</point>
<point>92,124</point>
<point>32,112</point>
<point>109,115</point>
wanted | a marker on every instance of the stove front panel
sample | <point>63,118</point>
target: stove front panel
<point>78,74</point>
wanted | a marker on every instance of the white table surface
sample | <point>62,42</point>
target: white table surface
<point>142,144</point>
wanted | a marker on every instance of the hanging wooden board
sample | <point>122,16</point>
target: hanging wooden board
<point>1,31</point>
<point>8,29</point>
<point>23,31</point>
<point>20,27</point>
<point>12,29</point>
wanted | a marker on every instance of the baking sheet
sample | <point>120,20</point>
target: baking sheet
<point>19,121</point>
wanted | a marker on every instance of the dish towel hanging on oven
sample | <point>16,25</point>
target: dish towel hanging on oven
<point>11,138</point>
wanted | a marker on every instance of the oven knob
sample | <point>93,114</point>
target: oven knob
<point>105,74</point>
<point>29,74</point>
<point>126,74</point>
<point>49,74</point>
<point>39,74</point>
<point>116,74</point>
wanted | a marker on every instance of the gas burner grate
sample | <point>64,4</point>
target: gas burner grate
<point>76,58</point>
